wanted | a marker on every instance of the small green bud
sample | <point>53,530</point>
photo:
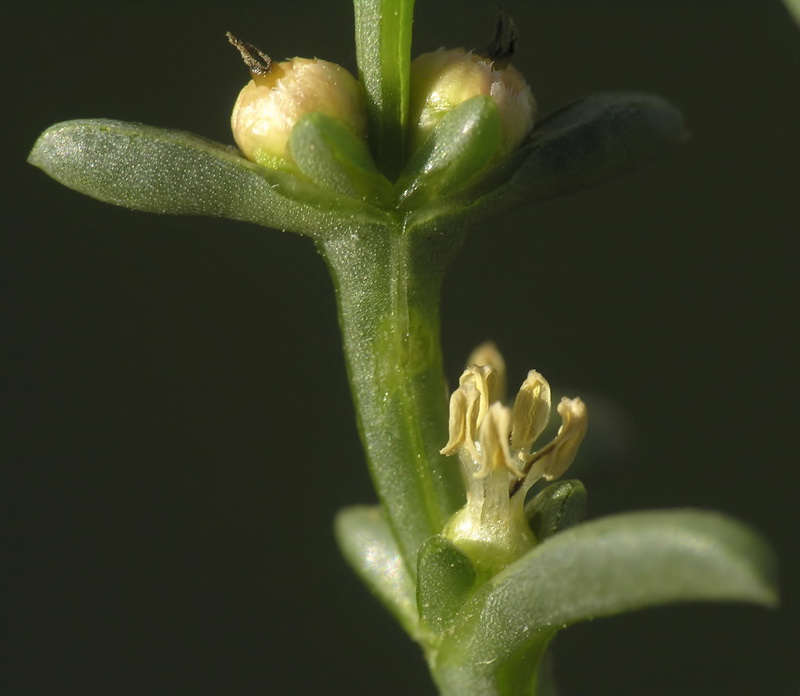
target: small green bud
<point>279,94</point>
<point>442,80</point>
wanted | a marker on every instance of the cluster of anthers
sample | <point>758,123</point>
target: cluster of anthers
<point>495,446</point>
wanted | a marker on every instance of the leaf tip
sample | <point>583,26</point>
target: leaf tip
<point>37,155</point>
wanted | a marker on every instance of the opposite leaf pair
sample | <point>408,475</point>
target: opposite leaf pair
<point>166,171</point>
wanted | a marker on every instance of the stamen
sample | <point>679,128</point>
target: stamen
<point>531,413</point>
<point>458,421</point>
<point>484,380</point>
<point>555,458</point>
<point>493,437</point>
<point>488,355</point>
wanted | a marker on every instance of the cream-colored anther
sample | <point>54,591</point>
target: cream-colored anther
<point>554,459</point>
<point>485,381</point>
<point>487,354</point>
<point>493,437</point>
<point>458,422</point>
<point>531,413</point>
<point>468,405</point>
<point>476,407</point>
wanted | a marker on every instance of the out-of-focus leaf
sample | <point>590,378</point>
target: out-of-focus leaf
<point>586,143</point>
<point>604,567</point>
<point>461,146</point>
<point>166,171</point>
<point>794,8</point>
<point>445,577</point>
<point>367,543</point>
<point>333,157</point>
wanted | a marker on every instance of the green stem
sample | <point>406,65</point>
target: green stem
<point>467,672</point>
<point>388,285</point>
<point>383,51</point>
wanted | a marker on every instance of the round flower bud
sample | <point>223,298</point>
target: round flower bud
<point>279,94</point>
<point>442,80</point>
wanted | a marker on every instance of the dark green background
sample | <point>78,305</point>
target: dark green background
<point>178,432</point>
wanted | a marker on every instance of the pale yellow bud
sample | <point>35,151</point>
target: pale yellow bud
<point>270,105</point>
<point>444,79</point>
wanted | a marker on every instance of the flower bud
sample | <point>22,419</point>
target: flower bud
<point>279,94</point>
<point>442,80</point>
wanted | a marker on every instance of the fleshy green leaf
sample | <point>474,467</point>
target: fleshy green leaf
<point>367,543</point>
<point>618,564</point>
<point>167,171</point>
<point>557,507</point>
<point>445,577</point>
<point>600,568</point>
<point>331,156</point>
<point>383,51</point>
<point>584,144</point>
<point>461,145</point>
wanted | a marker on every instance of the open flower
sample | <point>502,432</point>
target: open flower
<point>495,447</point>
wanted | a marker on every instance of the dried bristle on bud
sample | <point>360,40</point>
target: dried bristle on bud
<point>279,94</point>
<point>259,63</point>
<point>503,45</point>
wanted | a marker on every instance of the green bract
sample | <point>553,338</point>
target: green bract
<point>557,507</point>
<point>437,168</point>
<point>387,224</point>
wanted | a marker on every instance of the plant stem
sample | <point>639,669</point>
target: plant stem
<point>383,51</point>
<point>388,282</point>
<point>467,672</point>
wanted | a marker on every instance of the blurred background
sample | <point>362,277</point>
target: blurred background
<point>168,383</point>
